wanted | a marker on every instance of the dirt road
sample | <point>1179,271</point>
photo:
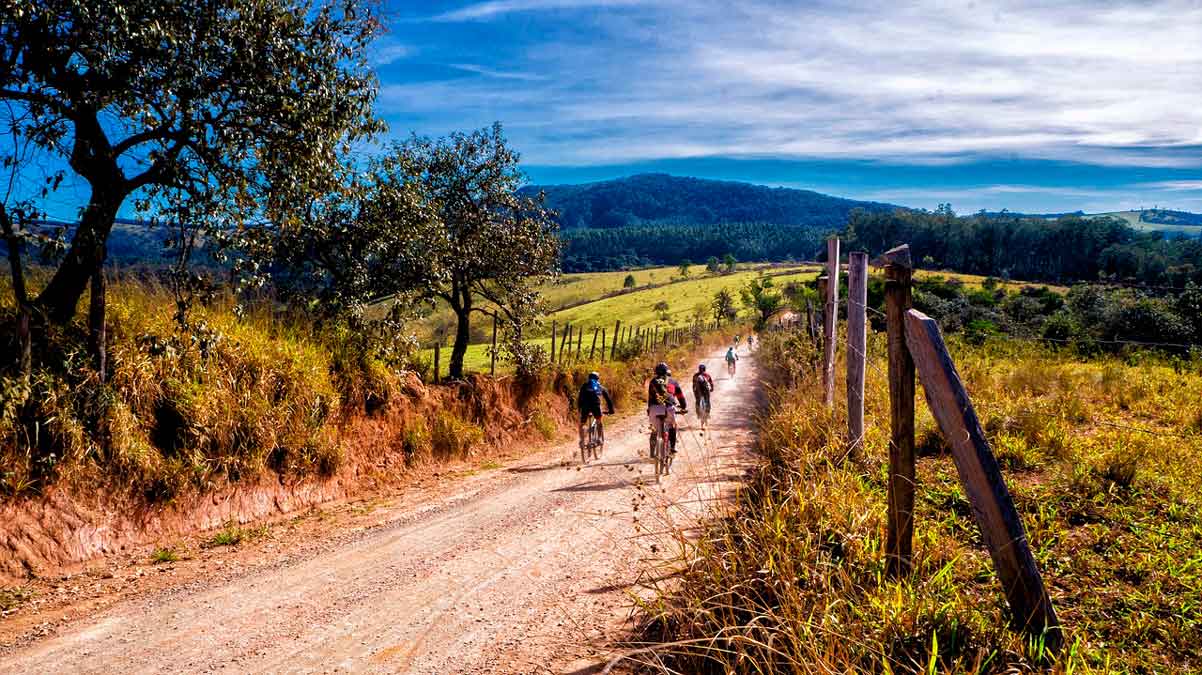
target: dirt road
<point>527,569</point>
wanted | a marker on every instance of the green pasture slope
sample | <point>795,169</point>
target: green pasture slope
<point>634,308</point>
<point>1132,218</point>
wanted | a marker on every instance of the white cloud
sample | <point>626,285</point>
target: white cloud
<point>923,81</point>
<point>487,10</point>
<point>386,51</point>
<point>1174,185</point>
<point>499,74</point>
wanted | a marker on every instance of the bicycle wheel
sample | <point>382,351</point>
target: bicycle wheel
<point>584,447</point>
<point>661,453</point>
<point>598,437</point>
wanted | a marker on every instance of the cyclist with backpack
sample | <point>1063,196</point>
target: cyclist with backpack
<point>732,359</point>
<point>664,394</point>
<point>703,386</point>
<point>589,402</point>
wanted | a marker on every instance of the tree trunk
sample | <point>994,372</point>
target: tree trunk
<point>84,258</point>
<point>463,312</point>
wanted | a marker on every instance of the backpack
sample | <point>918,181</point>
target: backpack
<point>661,391</point>
<point>701,385</point>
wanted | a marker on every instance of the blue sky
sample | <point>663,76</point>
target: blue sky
<point>1082,105</point>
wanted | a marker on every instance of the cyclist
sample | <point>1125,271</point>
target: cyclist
<point>663,395</point>
<point>589,401</point>
<point>703,385</point>
<point>750,342</point>
<point>732,359</point>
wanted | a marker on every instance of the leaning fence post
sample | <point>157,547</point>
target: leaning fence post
<point>857,346</point>
<point>579,342</point>
<point>899,542</point>
<point>554,332</point>
<point>999,522</point>
<point>613,350</point>
<point>832,321</point>
<point>603,346</point>
<point>592,349</point>
<point>492,358</point>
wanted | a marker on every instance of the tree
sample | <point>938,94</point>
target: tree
<point>661,309</point>
<point>712,265</point>
<point>488,244</point>
<point>760,297</point>
<point>729,261</point>
<point>199,111</point>
<point>684,267</point>
<point>628,282</point>
<point>359,246</point>
<point>724,306</point>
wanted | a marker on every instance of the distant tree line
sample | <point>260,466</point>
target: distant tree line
<point>1069,248</point>
<point>586,250</point>
<point>647,199</point>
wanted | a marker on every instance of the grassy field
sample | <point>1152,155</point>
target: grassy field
<point>1100,455</point>
<point>635,308</point>
<point>683,296</point>
<point>1132,218</point>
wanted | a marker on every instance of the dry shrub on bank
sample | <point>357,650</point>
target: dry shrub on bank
<point>793,581</point>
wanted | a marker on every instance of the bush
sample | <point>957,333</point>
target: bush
<point>544,424</point>
<point>452,436</point>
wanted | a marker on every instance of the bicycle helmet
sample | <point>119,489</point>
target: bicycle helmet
<point>594,376</point>
<point>701,368</point>
<point>661,369</point>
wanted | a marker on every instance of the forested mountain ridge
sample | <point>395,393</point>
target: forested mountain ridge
<point>655,198</point>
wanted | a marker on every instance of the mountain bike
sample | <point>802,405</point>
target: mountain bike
<point>662,451</point>
<point>730,367</point>
<point>596,441</point>
<point>703,410</point>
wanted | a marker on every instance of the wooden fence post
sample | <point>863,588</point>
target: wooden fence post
<point>579,342</point>
<point>492,353</point>
<point>857,346</point>
<point>565,341</point>
<point>832,321</point>
<point>593,347</point>
<point>820,317</point>
<point>554,330</point>
<point>603,345</point>
<point>613,350</point>
<point>999,522</point>
<point>900,538</point>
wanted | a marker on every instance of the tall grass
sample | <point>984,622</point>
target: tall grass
<point>793,581</point>
<point>237,395</point>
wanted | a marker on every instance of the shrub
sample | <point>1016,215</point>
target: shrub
<point>415,439</point>
<point>452,436</point>
<point>545,424</point>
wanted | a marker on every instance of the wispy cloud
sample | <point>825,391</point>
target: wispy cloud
<point>586,82</point>
<point>387,51</point>
<point>1174,185</point>
<point>486,10</point>
<point>499,74</point>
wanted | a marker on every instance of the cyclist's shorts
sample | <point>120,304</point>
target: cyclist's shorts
<point>595,411</point>
<point>666,411</point>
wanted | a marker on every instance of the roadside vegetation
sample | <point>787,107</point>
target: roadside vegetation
<point>1101,454</point>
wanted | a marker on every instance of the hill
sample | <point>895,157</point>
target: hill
<point>1161,220</point>
<point>656,198</point>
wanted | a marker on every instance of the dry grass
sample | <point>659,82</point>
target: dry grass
<point>1101,457</point>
